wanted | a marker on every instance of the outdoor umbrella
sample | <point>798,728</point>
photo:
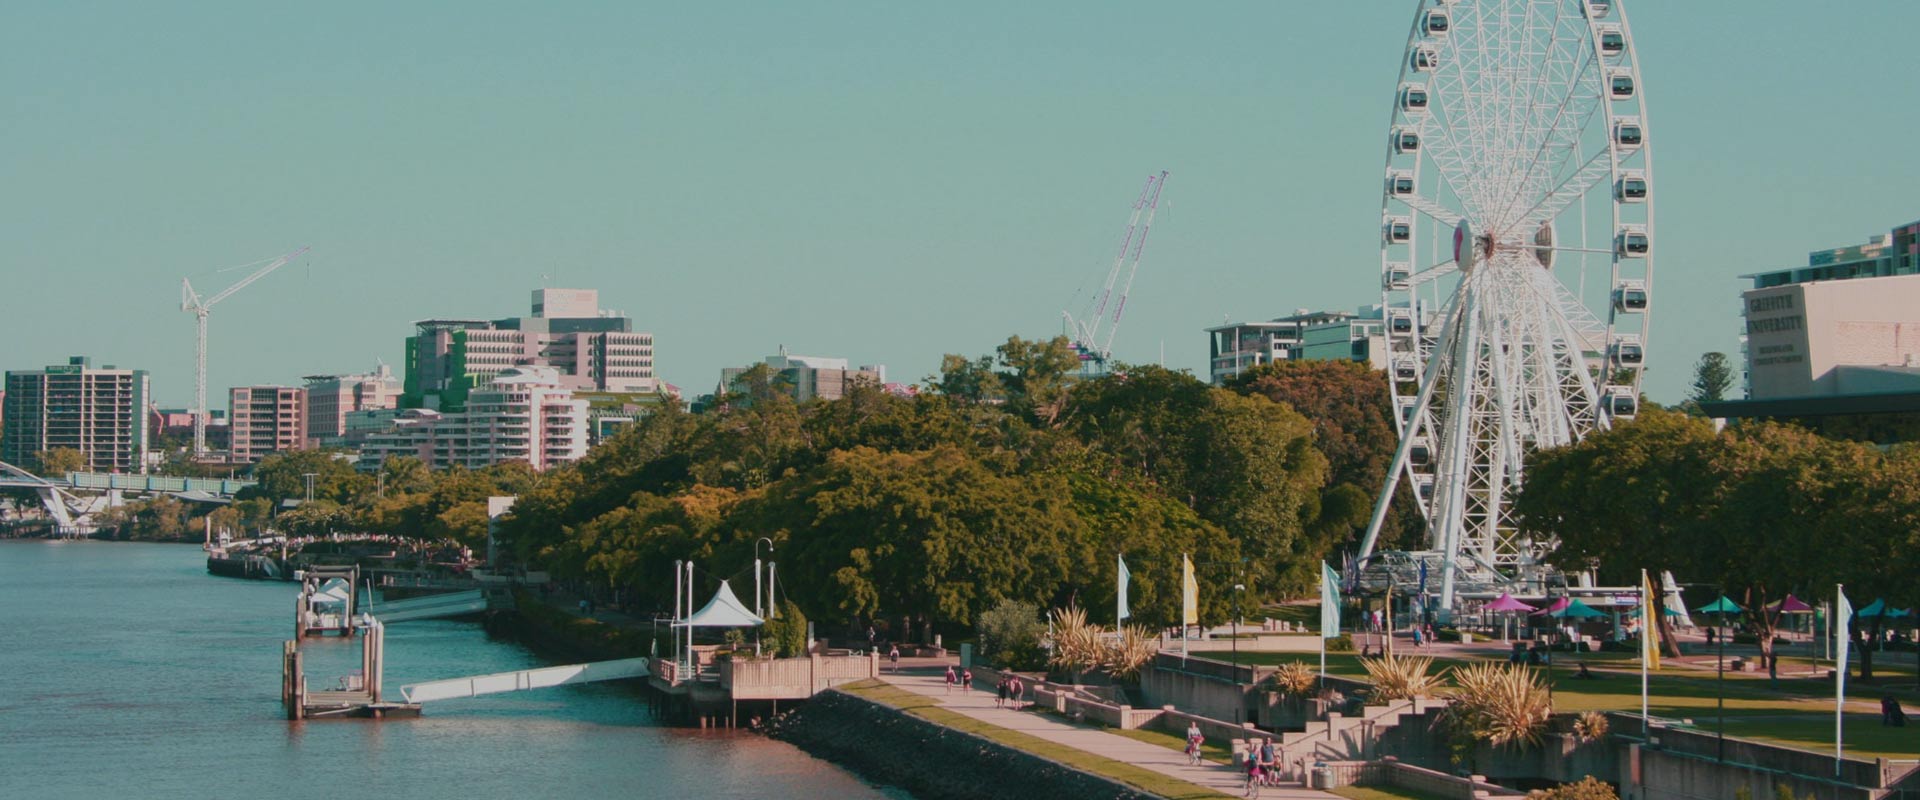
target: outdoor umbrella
<point>1578,610</point>
<point>1664,611</point>
<point>1506,603</point>
<point>1720,606</point>
<point>1876,608</point>
<point>1555,606</point>
<point>1791,605</point>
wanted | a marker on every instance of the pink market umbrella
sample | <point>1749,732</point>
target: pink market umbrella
<point>1791,605</point>
<point>1555,606</point>
<point>1506,603</point>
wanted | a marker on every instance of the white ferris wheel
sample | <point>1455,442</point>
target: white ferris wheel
<point>1515,261</point>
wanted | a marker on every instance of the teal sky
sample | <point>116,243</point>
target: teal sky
<point>883,181</point>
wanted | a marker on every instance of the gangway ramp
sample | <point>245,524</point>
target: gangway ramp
<point>433,606</point>
<point>525,679</point>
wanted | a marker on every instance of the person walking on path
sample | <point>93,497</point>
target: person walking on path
<point>1016,688</point>
<point>893,655</point>
<point>1417,639</point>
<point>951,679</point>
<point>966,680</point>
<point>1001,700</point>
<point>1194,739</point>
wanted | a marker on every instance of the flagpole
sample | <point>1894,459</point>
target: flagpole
<point>1840,675</point>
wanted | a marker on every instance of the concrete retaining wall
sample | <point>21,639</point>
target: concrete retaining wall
<point>930,760</point>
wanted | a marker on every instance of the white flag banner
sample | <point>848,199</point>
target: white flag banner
<point>1125,578</point>
<point>1843,636</point>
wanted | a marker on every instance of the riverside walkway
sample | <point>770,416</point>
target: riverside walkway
<point>930,682</point>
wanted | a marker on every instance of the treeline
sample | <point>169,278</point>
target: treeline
<point>1758,510</point>
<point>1010,479</point>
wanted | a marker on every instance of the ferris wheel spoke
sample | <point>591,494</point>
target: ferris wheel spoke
<point>1597,167</point>
<point>1438,212</point>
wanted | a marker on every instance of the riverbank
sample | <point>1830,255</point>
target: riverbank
<point>856,729</point>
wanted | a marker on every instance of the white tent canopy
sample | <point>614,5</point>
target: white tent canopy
<point>723,611</point>
<point>334,592</point>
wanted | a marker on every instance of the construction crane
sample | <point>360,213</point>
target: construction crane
<point>190,301</point>
<point>1094,344</point>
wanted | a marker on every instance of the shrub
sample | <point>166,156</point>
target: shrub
<point>1501,704</point>
<point>1340,644</point>
<point>1295,679</point>
<point>786,632</point>
<point>1588,788</point>
<point>1400,678</point>
<point>1010,634</point>
<point>1136,647</point>
<point>1590,726</point>
<point>1077,644</point>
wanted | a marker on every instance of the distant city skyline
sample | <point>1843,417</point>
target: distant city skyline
<point>877,182</point>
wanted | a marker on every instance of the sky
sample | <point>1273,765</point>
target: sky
<point>882,181</point>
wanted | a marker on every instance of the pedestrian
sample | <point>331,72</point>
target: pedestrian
<point>951,679</point>
<point>1194,740</point>
<point>1710,635</point>
<point>1417,641</point>
<point>1016,688</point>
<point>1266,760</point>
<point>869,636</point>
<point>894,656</point>
<point>966,680</point>
<point>1891,714</point>
<point>1001,701</point>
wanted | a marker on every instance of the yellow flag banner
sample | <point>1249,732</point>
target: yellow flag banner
<point>1189,593</point>
<point>1650,617</point>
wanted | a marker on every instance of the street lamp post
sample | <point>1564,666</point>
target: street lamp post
<point>309,476</point>
<point>1241,706</point>
<point>1720,680</point>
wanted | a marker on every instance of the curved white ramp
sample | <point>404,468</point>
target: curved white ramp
<point>525,679</point>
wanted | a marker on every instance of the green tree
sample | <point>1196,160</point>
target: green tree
<point>1353,427</point>
<point>1009,633</point>
<point>281,476</point>
<point>59,461</point>
<point>1039,377</point>
<point>1712,377</point>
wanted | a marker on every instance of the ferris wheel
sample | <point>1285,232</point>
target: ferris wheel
<point>1515,260</point>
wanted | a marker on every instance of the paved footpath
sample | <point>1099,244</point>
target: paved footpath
<point>979,705</point>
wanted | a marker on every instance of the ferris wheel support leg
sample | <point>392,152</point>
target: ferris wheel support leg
<point>1399,465</point>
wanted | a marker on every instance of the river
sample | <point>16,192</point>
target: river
<point>126,671</point>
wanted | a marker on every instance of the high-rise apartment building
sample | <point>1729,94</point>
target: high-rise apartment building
<point>589,348</point>
<point>330,398</point>
<point>265,419</point>
<point>100,412</point>
<point>523,414</point>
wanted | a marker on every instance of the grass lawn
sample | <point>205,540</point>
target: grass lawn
<point>927,708</point>
<point>1217,753</point>
<point>1308,615</point>
<point>1797,712</point>
<point>1383,793</point>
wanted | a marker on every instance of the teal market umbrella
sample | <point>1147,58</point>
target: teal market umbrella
<point>1578,610</point>
<point>1874,609</point>
<point>1720,606</point>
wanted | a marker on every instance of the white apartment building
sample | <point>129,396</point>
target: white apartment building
<point>523,414</point>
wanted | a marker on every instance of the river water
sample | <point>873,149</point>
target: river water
<point>126,671</point>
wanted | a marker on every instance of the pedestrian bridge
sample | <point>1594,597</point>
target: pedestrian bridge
<point>525,679</point>
<point>72,514</point>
